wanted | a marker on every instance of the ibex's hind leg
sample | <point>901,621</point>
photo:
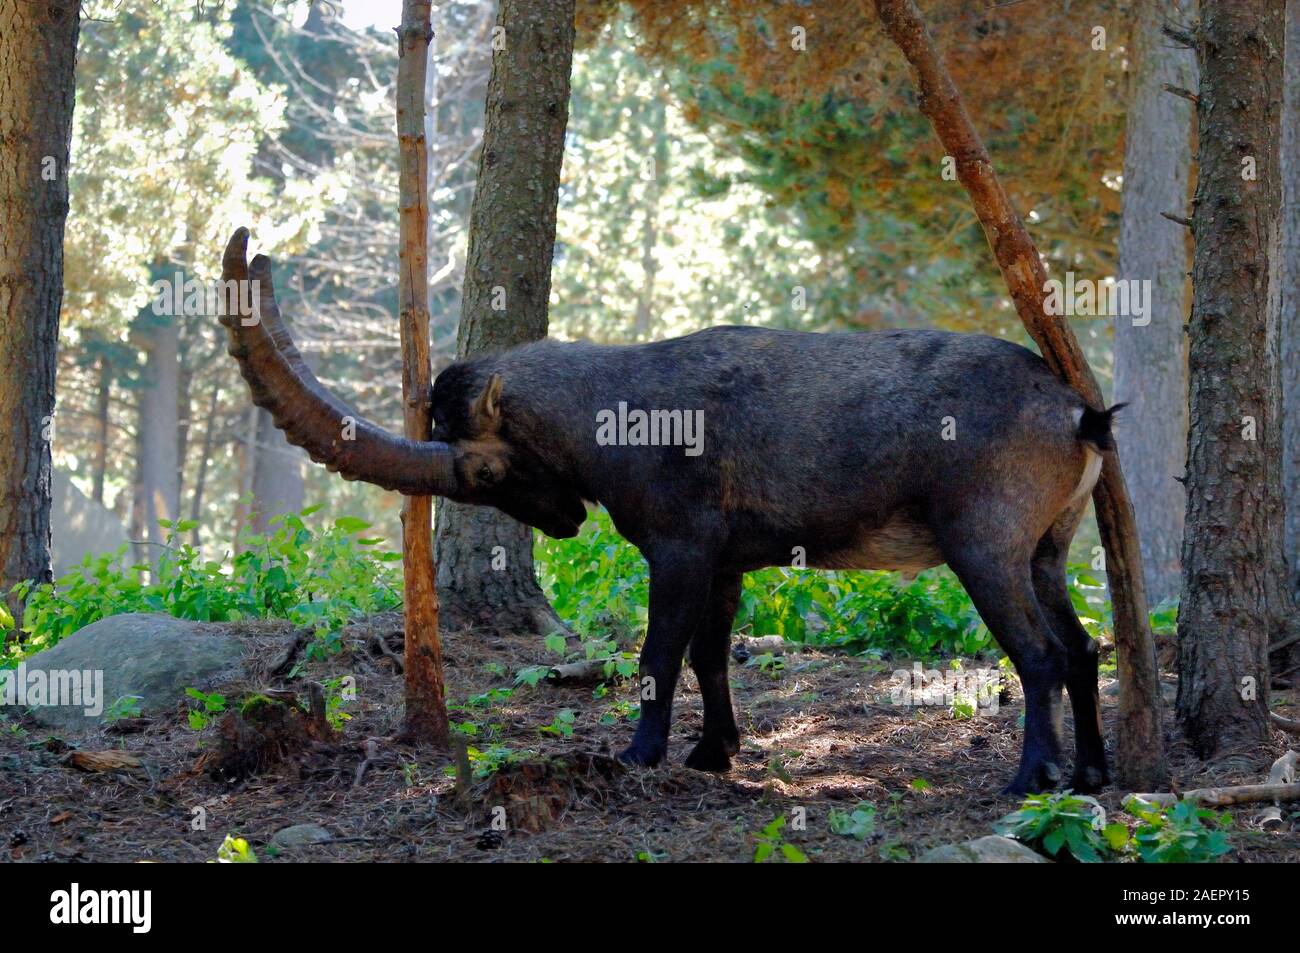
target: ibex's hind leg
<point>708,654</point>
<point>998,582</point>
<point>1090,773</point>
<point>680,579</point>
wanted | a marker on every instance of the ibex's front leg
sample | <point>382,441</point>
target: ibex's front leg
<point>679,595</point>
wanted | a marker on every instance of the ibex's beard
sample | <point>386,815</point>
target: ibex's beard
<point>559,519</point>
<point>310,416</point>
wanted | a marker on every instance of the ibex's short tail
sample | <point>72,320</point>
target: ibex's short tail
<point>1094,427</point>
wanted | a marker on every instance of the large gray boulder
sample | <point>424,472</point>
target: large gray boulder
<point>983,850</point>
<point>153,656</point>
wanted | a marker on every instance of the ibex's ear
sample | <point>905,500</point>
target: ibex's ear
<point>487,408</point>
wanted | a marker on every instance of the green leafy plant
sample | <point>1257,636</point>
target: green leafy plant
<point>864,612</point>
<point>128,706</point>
<point>1185,834</point>
<point>562,724</point>
<point>860,823</point>
<point>619,711</point>
<point>320,577</point>
<point>596,581</point>
<point>1064,825</point>
<point>334,702</point>
<point>209,705</point>
<point>771,845</point>
<point>894,852</point>
<point>531,675</point>
<point>487,761</point>
<point>962,709</point>
<point>769,664</point>
<point>488,698</point>
<point>235,850</point>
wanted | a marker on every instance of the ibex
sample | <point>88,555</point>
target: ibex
<point>894,450</point>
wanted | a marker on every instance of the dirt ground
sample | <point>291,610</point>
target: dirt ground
<point>817,736</point>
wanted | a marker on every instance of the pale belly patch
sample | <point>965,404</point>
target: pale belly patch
<point>901,544</point>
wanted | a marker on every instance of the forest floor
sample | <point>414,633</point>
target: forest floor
<point>818,736</point>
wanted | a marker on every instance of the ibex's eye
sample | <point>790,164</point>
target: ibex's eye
<point>485,473</point>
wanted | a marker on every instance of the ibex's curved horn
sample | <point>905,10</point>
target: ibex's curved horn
<point>310,416</point>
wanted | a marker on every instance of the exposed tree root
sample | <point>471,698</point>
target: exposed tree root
<point>1286,724</point>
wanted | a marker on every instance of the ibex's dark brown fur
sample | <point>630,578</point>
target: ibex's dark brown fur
<point>887,450</point>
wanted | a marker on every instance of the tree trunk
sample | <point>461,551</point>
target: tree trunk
<point>247,466</point>
<point>1232,549</point>
<point>485,559</point>
<point>158,487</point>
<point>658,150</point>
<point>277,481</point>
<point>1140,748</point>
<point>426,706</point>
<point>201,478</point>
<point>1151,357</point>
<point>1290,277</point>
<point>102,423</point>
<point>184,378</point>
<point>38,48</point>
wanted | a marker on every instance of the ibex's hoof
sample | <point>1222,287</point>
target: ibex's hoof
<point>1089,780</point>
<point>709,755</point>
<point>1034,779</point>
<point>644,756</point>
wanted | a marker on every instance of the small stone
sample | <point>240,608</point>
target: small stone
<point>984,850</point>
<point>300,835</point>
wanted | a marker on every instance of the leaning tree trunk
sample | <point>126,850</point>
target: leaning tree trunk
<point>485,559</point>
<point>1232,551</point>
<point>426,705</point>
<point>1151,357</point>
<point>1140,747</point>
<point>38,48</point>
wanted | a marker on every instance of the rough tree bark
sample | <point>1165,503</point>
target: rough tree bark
<point>485,559</point>
<point>1151,358</point>
<point>1290,276</point>
<point>426,705</point>
<point>1140,758</point>
<point>38,48</point>
<point>1232,550</point>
